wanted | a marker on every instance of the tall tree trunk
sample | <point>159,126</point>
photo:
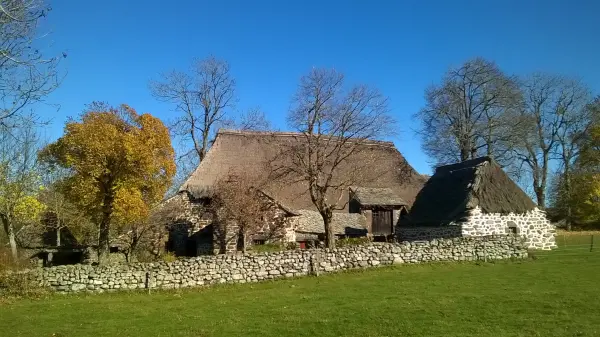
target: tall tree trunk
<point>243,234</point>
<point>568,219</point>
<point>57,236</point>
<point>329,234</point>
<point>10,232</point>
<point>465,150</point>
<point>104,238</point>
<point>540,194</point>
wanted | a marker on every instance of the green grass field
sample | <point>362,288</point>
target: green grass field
<point>556,294</point>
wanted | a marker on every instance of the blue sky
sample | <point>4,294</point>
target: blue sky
<point>115,47</point>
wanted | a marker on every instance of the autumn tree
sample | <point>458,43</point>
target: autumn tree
<point>60,213</point>
<point>26,74</point>
<point>334,121</point>
<point>122,163</point>
<point>237,203</point>
<point>204,98</point>
<point>470,113</point>
<point>19,181</point>
<point>553,117</point>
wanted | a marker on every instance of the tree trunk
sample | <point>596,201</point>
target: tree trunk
<point>329,235</point>
<point>58,237</point>
<point>243,234</point>
<point>10,232</point>
<point>465,151</point>
<point>568,199</point>
<point>540,194</point>
<point>104,238</point>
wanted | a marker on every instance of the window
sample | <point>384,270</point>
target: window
<point>258,242</point>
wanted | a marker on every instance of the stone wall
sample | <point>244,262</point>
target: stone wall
<point>534,226</point>
<point>404,233</point>
<point>207,270</point>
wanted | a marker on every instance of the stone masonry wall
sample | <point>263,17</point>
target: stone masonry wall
<point>207,270</point>
<point>534,226</point>
<point>406,233</point>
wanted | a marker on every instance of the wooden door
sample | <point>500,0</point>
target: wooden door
<point>382,222</point>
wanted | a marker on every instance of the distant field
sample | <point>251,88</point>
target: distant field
<point>556,294</point>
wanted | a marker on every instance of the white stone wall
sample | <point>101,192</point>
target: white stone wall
<point>537,230</point>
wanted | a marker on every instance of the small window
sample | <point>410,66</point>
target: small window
<point>512,230</point>
<point>258,242</point>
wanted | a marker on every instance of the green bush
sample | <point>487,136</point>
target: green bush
<point>169,257</point>
<point>352,241</point>
<point>268,247</point>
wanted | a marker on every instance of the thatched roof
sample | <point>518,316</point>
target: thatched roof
<point>376,196</point>
<point>456,188</point>
<point>252,154</point>
<point>343,223</point>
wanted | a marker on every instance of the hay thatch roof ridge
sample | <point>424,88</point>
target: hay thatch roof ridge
<point>250,153</point>
<point>456,188</point>
<point>376,196</point>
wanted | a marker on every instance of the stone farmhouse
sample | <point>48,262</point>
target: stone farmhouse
<point>475,198</point>
<point>372,204</point>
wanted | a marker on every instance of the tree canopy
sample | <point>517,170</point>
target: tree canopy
<point>121,164</point>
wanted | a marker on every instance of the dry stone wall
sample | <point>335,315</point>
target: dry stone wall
<point>205,270</point>
<point>534,226</point>
<point>425,233</point>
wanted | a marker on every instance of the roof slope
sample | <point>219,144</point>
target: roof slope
<point>456,188</point>
<point>342,223</point>
<point>373,196</point>
<point>251,154</point>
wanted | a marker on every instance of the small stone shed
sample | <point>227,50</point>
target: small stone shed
<point>476,198</point>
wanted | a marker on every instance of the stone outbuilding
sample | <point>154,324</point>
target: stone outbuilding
<point>476,198</point>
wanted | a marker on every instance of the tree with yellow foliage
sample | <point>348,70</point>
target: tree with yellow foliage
<point>19,181</point>
<point>122,163</point>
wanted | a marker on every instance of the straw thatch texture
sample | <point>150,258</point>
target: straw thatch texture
<point>373,196</point>
<point>254,154</point>
<point>455,189</point>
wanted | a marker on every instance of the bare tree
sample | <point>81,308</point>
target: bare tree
<point>578,121</point>
<point>205,98</point>
<point>26,76</point>
<point>254,120</point>
<point>552,115</point>
<point>470,114</point>
<point>335,122</point>
<point>237,201</point>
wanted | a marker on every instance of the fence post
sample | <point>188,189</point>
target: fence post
<point>592,244</point>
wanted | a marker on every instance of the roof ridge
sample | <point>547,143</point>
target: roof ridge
<point>290,134</point>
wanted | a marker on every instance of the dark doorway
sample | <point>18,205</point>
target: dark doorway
<point>382,222</point>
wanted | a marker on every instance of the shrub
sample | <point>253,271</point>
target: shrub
<point>352,241</point>
<point>169,257</point>
<point>268,247</point>
<point>15,279</point>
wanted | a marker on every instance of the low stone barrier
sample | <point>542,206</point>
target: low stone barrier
<point>205,270</point>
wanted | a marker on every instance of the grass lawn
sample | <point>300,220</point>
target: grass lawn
<point>555,295</point>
